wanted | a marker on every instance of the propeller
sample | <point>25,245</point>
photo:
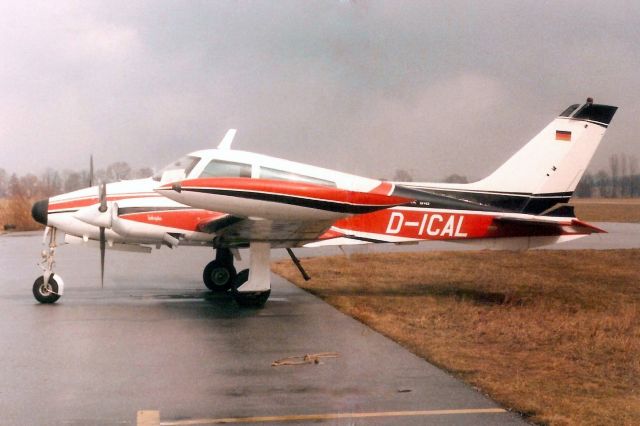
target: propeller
<point>102,195</point>
<point>91,177</point>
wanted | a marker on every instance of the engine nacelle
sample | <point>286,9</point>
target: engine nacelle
<point>93,216</point>
<point>140,231</point>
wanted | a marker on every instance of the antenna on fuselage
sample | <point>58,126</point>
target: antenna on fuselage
<point>228,139</point>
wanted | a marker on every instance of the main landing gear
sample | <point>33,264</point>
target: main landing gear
<point>48,287</point>
<point>249,287</point>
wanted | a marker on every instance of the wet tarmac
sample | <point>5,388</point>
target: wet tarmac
<point>153,347</point>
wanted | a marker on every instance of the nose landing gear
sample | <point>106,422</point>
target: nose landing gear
<point>48,287</point>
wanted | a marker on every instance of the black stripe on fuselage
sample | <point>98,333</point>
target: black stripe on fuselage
<point>368,240</point>
<point>447,200</point>
<point>64,211</point>
<point>508,201</point>
<point>133,210</point>
<point>334,206</point>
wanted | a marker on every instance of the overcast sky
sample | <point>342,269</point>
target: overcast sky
<point>360,86</point>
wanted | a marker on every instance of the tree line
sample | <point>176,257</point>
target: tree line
<point>621,180</point>
<point>52,182</point>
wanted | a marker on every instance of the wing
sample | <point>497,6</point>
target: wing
<point>234,231</point>
<point>277,200</point>
<point>283,213</point>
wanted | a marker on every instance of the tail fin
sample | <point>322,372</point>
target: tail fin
<point>554,161</point>
<point>547,169</point>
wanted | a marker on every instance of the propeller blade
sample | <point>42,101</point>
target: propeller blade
<point>103,247</point>
<point>102,195</point>
<point>91,177</point>
<point>46,234</point>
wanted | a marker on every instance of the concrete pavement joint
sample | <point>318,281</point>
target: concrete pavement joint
<point>328,416</point>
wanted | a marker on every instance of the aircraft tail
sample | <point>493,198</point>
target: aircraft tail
<point>546,170</point>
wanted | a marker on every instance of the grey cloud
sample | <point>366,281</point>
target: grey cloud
<point>365,87</point>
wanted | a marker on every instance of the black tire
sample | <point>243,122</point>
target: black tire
<point>218,276</point>
<point>46,294</point>
<point>253,299</point>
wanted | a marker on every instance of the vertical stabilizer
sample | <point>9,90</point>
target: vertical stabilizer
<point>554,160</point>
<point>545,171</point>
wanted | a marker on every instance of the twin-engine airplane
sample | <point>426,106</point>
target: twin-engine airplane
<point>228,199</point>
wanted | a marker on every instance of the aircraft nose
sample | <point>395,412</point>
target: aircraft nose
<point>40,211</point>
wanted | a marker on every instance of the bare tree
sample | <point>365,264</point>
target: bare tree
<point>586,186</point>
<point>603,183</point>
<point>15,188</point>
<point>3,183</point>
<point>50,183</point>
<point>73,181</point>
<point>456,178</point>
<point>614,165</point>
<point>30,185</point>
<point>143,172</point>
<point>634,177</point>
<point>402,176</point>
<point>633,165</point>
<point>118,171</point>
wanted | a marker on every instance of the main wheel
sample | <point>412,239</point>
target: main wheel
<point>218,276</point>
<point>46,293</point>
<point>250,299</point>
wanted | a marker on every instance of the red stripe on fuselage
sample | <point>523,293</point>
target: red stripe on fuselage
<point>180,219</point>
<point>385,188</point>
<point>296,189</point>
<point>78,203</point>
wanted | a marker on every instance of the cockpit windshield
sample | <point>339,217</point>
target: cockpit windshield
<point>185,164</point>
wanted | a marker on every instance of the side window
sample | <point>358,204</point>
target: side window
<point>267,173</point>
<point>217,168</point>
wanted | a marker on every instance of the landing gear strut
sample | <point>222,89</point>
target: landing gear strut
<point>219,274</point>
<point>48,287</point>
<point>252,287</point>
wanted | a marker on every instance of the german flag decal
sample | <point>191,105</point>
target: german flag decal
<point>563,135</point>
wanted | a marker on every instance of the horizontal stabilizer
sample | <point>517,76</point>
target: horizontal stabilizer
<point>515,227</point>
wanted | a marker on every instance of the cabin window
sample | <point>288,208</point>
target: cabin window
<point>218,168</point>
<point>267,173</point>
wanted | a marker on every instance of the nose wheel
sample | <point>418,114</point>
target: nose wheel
<point>46,293</point>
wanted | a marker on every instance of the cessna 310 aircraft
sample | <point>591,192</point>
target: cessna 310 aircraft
<point>227,199</point>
